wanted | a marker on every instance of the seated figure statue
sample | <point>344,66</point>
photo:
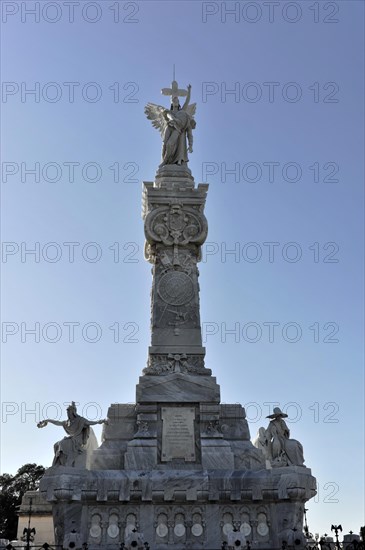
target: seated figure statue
<point>261,442</point>
<point>282,450</point>
<point>68,449</point>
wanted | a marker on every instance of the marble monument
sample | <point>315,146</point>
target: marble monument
<point>177,469</point>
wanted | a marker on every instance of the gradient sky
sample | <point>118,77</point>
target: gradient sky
<point>293,134</point>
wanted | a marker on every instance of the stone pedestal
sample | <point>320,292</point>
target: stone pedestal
<point>177,469</point>
<point>264,505</point>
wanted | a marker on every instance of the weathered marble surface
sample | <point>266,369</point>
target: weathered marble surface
<point>140,480</point>
<point>177,388</point>
<point>276,494</point>
<point>175,230</point>
<point>173,177</point>
<point>227,486</point>
<point>216,454</point>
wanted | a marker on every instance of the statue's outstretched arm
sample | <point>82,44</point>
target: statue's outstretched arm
<point>187,100</point>
<point>93,422</point>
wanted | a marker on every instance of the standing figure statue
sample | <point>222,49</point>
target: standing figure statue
<point>175,125</point>
<point>77,427</point>
<point>282,450</point>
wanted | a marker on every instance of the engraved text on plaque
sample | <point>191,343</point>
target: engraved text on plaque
<point>178,439</point>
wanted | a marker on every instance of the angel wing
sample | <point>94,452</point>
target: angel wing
<point>191,109</point>
<point>156,113</point>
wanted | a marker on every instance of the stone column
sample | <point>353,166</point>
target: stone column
<point>175,229</point>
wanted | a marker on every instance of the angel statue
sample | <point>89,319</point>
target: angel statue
<point>175,125</point>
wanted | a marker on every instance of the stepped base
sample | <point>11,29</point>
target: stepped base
<point>215,486</point>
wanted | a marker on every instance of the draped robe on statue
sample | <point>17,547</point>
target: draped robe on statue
<point>67,450</point>
<point>279,443</point>
<point>174,150</point>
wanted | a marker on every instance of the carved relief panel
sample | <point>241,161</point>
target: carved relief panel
<point>180,525</point>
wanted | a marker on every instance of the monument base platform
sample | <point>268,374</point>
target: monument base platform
<point>144,484</point>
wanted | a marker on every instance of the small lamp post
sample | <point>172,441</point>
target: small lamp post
<point>306,528</point>
<point>336,529</point>
<point>28,533</point>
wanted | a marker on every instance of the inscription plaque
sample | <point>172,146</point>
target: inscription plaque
<point>178,440</point>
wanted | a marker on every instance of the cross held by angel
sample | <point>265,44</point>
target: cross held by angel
<point>175,125</point>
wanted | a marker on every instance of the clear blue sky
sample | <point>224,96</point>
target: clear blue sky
<point>292,131</point>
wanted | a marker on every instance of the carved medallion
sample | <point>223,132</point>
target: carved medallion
<point>227,528</point>
<point>113,531</point>
<point>179,530</point>
<point>176,288</point>
<point>95,531</point>
<point>262,529</point>
<point>176,224</point>
<point>161,530</point>
<point>245,529</point>
<point>197,530</point>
